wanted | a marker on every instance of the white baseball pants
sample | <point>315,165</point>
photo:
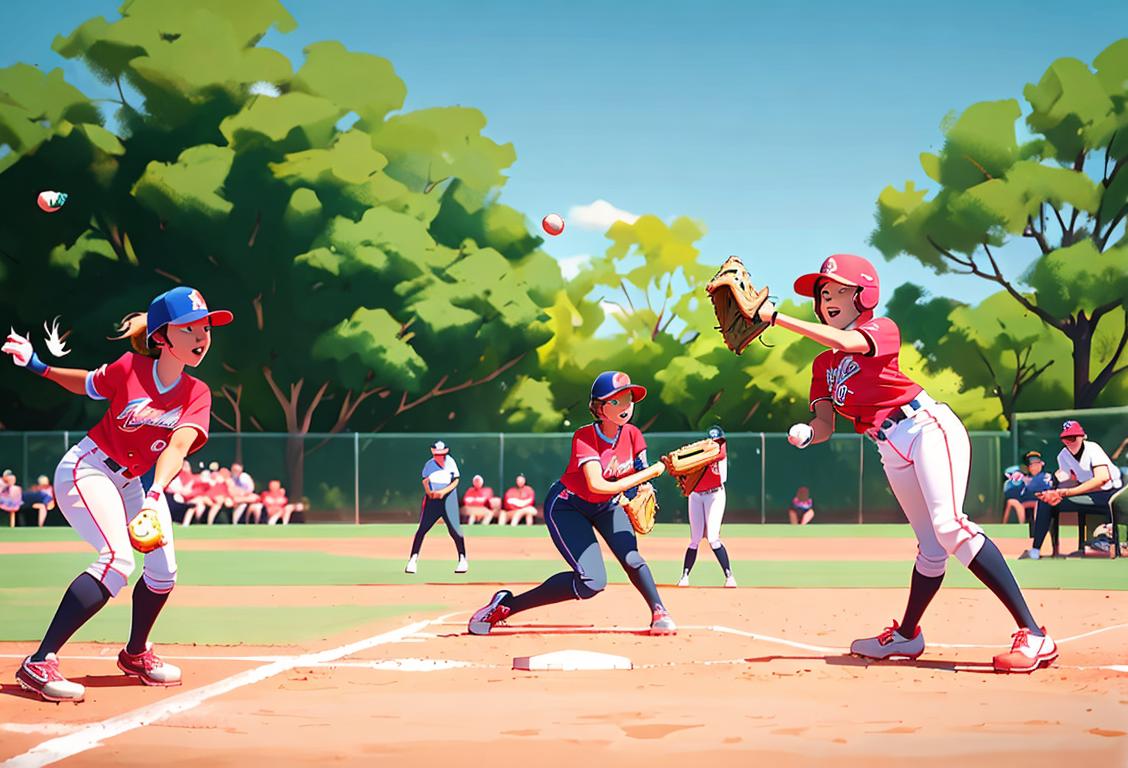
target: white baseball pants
<point>706,511</point>
<point>927,457</point>
<point>99,503</point>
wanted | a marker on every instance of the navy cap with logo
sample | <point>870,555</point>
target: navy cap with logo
<point>439,447</point>
<point>609,383</point>
<point>715,432</point>
<point>180,306</point>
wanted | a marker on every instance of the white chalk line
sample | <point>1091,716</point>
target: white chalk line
<point>113,658</point>
<point>91,736</point>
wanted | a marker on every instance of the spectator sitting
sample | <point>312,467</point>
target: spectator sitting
<point>518,502</point>
<point>1087,481</point>
<point>11,496</point>
<point>802,505</point>
<point>479,503</point>
<point>222,492</point>
<point>179,491</point>
<point>243,494</point>
<point>277,505</point>
<point>39,499</point>
<point>198,496</point>
<point>1020,487</point>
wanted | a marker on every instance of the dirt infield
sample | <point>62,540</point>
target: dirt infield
<point>754,674</point>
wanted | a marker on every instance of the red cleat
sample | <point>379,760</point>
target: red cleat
<point>1028,653</point>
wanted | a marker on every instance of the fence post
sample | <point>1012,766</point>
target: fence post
<point>66,441</point>
<point>763,479</point>
<point>356,476</point>
<point>501,459</point>
<point>861,466</point>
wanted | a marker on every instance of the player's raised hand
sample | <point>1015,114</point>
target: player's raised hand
<point>19,348</point>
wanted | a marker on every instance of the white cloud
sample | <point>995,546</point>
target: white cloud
<point>599,216</point>
<point>570,265</point>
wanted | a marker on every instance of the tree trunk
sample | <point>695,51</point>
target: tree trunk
<point>295,466</point>
<point>1084,394</point>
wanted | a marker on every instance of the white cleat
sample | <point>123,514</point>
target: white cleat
<point>411,565</point>
<point>45,679</point>
<point>730,580</point>
<point>684,580</point>
<point>462,566</point>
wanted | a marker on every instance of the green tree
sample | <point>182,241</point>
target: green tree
<point>372,270</point>
<point>1065,192</point>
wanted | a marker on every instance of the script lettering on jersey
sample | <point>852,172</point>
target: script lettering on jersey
<point>616,470</point>
<point>139,412</point>
<point>837,376</point>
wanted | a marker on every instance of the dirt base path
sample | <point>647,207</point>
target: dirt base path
<point>754,674</point>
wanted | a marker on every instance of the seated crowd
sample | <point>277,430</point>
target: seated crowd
<point>22,505</point>
<point>202,496</point>
<point>480,505</point>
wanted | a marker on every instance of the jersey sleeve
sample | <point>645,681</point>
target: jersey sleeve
<point>1099,458</point>
<point>198,416</point>
<point>582,450</point>
<point>820,388</point>
<point>883,336</point>
<point>103,383</point>
<point>453,468</point>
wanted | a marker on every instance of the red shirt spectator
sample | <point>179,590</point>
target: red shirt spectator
<point>478,494</point>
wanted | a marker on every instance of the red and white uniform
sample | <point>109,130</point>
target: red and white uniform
<point>615,454</point>
<point>477,497</point>
<point>926,455</point>
<point>518,498</point>
<point>707,503</point>
<point>97,482</point>
<point>274,500</point>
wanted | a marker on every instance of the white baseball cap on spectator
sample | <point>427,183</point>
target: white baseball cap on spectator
<point>439,448</point>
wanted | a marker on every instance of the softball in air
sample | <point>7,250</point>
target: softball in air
<point>52,201</point>
<point>552,224</point>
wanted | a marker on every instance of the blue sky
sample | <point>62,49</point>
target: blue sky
<point>776,127</point>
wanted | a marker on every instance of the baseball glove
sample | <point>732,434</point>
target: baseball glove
<point>688,464</point>
<point>736,304</point>
<point>145,532</point>
<point>642,510</point>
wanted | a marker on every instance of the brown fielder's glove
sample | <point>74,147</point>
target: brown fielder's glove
<point>642,510</point>
<point>736,303</point>
<point>145,532</point>
<point>689,463</point>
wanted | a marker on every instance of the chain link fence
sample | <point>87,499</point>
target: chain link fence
<point>370,478</point>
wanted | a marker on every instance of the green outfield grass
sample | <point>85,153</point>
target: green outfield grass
<point>31,584</point>
<point>396,530</point>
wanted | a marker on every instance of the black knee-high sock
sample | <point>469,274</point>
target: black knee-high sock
<point>723,559</point>
<point>990,568</point>
<point>921,591</point>
<point>147,605</point>
<point>558,588</point>
<point>690,559</point>
<point>459,543</point>
<point>643,581</point>
<point>84,597</point>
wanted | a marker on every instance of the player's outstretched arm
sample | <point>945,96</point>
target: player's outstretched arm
<point>818,430</point>
<point>20,350</point>
<point>597,483</point>
<point>846,341</point>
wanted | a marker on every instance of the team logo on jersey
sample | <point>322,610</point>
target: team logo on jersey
<point>837,377</point>
<point>158,446</point>
<point>614,469</point>
<point>140,412</point>
<point>197,300</point>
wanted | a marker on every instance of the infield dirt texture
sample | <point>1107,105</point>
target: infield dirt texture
<point>309,643</point>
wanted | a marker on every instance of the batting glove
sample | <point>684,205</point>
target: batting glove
<point>800,435</point>
<point>19,347</point>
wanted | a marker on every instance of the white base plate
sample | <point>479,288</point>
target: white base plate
<point>571,661</point>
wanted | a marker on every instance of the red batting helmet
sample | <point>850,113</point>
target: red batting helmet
<point>1072,428</point>
<point>845,269</point>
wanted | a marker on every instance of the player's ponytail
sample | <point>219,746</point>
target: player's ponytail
<point>134,327</point>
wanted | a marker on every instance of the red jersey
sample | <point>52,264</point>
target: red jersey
<point>616,458</point>
<point>525,493</point>
<point>864,387</point>
<point>142,414</point>
<point>711,480</point>
<point>477,497</point>
<point>275,498</point>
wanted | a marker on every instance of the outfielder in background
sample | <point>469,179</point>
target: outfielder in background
<point>440,502</point>
<point>608,459</point>
<point>924,447</point>
<point>157,415</point>
<point>707,510</point>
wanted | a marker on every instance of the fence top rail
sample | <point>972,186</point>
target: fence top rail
<point>1077,413</point>
<point>459,435</point>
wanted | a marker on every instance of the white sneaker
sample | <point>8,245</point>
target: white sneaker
<point>730,580</point>
<point>462,566</point>
<point>410,567</point>
<point>1031,554</point>
<point>684,580</point>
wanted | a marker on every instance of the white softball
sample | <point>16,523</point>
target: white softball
<point>800,435</point>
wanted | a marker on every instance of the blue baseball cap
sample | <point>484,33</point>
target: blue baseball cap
<point>715,432</point>
<point>610,382</point>
<point>180,306</point>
